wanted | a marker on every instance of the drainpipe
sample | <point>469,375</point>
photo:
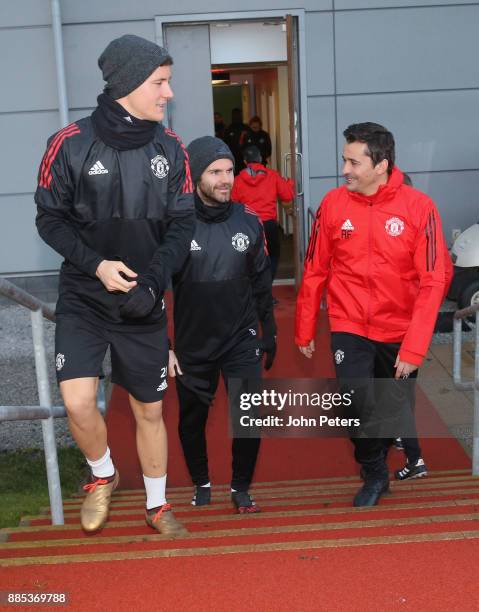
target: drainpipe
<point>60,62</point>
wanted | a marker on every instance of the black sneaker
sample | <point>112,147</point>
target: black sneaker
<point>202,496</point>
<point>398,445</point>
<point>418,470</point>
<point>244,502</point>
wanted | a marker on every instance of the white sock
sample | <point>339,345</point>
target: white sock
<point>234,491</point>
<point>103,467</point>
<point>208,485</point>
<point>155,491</point>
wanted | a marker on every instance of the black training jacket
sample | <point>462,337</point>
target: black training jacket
<point>224,287</point>
<point>95,202</point>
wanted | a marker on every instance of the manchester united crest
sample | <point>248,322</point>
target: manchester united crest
<point>160,166</point>
<point>240,242</point>
<point>59,361</point>
<point>394,226</point>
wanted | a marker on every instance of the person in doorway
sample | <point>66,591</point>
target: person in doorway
<point>220,126</point>
<point>260,188</point>
<point>256,136</point>
<point>222,296</point>
<point>234,137</point>
<point>115,199</point>
<point>376,246</point>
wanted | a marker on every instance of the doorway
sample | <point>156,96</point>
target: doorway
<point>253,65</point>
<point>260,89</point>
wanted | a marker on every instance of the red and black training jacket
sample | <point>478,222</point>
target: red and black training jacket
<point>382,261</point>
<point>95,202</point>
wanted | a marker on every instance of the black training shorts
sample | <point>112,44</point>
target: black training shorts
<point>139,359</point>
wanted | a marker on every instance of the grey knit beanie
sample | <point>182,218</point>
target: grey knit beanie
<point>203,152</point>
<point>127,62</point>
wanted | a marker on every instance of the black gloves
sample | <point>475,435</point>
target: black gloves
<point>139,301</point>
<point>269,347</point>
<point>269,340</point>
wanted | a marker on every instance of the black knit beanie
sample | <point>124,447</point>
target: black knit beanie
<point>203,152</point>
<point>127,62</point>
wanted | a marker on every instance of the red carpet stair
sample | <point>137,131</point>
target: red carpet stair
<point>296,515</point>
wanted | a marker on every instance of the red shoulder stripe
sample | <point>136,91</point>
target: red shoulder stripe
<point>188,186</point>
<point>265,242</point>
<point>50,154</point>
<point>47,158</point>
<point>56,137</point>
<point>250,210</point>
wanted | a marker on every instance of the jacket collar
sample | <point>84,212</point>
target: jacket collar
<point>119,129</point>
<point>212,214</point>
<point>385,192</point>
<point>254,168</point>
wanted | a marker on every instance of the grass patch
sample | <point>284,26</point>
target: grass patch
<point>23,481</point>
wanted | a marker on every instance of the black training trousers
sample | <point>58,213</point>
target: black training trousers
<point>196,389</point>
<point>364,364</point>
<point>271,232</point>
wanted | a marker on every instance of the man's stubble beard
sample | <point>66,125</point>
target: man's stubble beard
<point>208,194</point>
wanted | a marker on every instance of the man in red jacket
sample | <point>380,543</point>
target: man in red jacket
<point>377,247</point>
<point>260,188</point>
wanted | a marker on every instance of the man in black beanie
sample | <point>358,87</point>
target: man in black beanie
<point>227,278</point>
<point>114,198</point>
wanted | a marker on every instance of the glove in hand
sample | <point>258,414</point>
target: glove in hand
<point>139,302</point>
<point>269,348</point>
<point>269,340</point>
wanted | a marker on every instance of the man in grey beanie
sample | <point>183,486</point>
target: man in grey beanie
<point>128,61</point>
<point>114,198</point>
<point>231,326</point>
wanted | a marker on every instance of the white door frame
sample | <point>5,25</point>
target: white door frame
<point>162,20</point>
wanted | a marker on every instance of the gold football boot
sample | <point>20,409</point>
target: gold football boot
<point>95,507</point>
<point>165,522</point>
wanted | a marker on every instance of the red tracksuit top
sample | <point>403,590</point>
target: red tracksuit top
<point>260,188</point>
<point>382,261</point>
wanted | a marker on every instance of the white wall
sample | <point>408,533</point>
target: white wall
<point>247,43</point>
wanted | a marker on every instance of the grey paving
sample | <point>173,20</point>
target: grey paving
<point>18,385</point>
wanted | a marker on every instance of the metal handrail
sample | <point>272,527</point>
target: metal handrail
<point>23,298</point>
<point>45,412</point>
<point>31,413</point>
<point>38,310</point>
<point>466,312</point>
<point>459,315</point>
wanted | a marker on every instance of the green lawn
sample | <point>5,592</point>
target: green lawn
<point>23,481</point>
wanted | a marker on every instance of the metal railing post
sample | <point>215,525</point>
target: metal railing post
<point>475,433</point>
<point>48,430</point>
<point>459,315</point>
<point>457,355</point>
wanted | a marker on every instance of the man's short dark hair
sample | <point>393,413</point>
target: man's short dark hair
<point>252,154</point>
<point>379,141</point>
